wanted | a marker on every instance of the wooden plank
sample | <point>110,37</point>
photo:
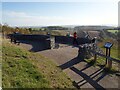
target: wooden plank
<point>102,55</point>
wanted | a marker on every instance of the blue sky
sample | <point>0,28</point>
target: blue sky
<point>59,13</point>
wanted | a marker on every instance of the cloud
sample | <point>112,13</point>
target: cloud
<point>23,19</point>
<point>14,14</point>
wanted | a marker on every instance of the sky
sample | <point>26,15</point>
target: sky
<point>59,13</point>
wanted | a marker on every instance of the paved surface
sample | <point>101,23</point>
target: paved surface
<point>84,75</point>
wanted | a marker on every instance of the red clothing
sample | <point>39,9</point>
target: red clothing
<point>75,35</point>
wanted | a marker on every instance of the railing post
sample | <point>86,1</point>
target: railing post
<point>106,55</point>
<point>109,61</point>
<point>95,57</point>
<point>109,64</point>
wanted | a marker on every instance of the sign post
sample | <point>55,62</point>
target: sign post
<point>108,46</point>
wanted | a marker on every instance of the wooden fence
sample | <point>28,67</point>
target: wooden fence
<point>110,59</point>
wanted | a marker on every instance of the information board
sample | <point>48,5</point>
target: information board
<point>108,45</point>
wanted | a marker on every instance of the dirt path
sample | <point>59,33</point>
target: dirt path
<point>84,75</point>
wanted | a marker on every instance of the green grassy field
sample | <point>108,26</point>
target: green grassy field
<point>112,31</point>
<point>23,69</point>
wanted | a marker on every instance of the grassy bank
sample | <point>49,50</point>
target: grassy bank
<point>23,69</point>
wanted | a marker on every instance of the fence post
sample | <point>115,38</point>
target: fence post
<point>109,64</point>
<point>106,55</point>
<point>95,57</point>
<point>109,61</point>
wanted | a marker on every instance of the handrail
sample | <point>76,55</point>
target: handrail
<point>109,58</point>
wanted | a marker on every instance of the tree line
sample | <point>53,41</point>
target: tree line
<point>6,29</point>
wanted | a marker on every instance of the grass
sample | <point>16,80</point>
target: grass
<point>112,31</point>
<point>110,70</point>
<point>114,50</point>
<point>52,32</point>
<point>18,71</point>
<point>23,69</point>
<point>101,61</point>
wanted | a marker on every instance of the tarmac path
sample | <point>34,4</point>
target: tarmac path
<point>82,74</point>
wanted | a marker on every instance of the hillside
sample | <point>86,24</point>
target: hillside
<point>93,27</point>
<point>23,69</point>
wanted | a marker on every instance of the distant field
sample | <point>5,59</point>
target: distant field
<point>113,31</point>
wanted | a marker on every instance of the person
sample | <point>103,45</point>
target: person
<point>68,34</point>
<point>75,38</point>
